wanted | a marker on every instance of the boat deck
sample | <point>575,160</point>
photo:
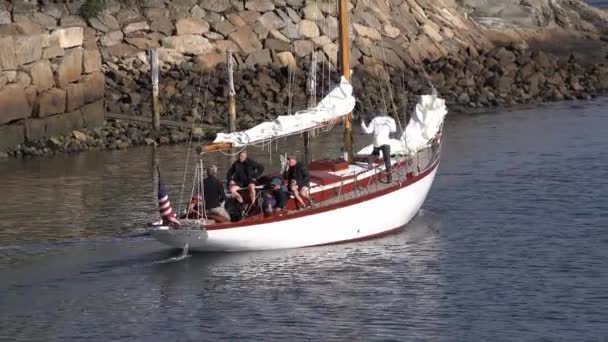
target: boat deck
<point>358,179</point>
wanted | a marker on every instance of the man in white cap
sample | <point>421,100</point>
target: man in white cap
<point>382,126</point>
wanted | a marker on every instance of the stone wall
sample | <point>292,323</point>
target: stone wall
<point>55,62</point>
<point>50,80</point>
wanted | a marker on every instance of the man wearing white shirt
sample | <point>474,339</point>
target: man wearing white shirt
<point>382,126</point>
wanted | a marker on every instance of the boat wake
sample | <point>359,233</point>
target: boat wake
<point>182,256</point>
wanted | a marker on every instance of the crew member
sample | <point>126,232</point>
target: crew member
<point>381,126</point>
<point>214,195</point>
<point>275,198</point>
<point>243,174</point>
<point>297,180</point>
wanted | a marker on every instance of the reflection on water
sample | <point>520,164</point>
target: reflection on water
<point>511,244</point>
<point>109,193</point>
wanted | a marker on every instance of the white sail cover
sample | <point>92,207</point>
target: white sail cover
<point>426,121</point>
<point>423,126</point>
<point>339,102</point>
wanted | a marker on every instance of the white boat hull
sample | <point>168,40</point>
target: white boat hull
<point>355,221</point>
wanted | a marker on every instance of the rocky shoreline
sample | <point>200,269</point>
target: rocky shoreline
<point>499,77</point>
<point>64,65</point>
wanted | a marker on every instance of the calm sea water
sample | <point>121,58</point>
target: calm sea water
<point>599,3</point>
<point>511,244</point>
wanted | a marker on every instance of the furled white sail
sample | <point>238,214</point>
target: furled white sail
<point>339,102</point>
<point>425,123</point>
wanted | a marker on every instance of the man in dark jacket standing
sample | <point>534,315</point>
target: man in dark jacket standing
<point>298,180</point>
<point>243,174</point>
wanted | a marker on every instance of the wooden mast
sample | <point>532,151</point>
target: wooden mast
<point>345,65</point>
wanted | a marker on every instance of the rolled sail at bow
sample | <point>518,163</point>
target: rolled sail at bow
<point>338,103</point>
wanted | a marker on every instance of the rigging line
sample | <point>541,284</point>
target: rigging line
<point>192,191</point>
<point>289,85</point>
<point>181,196</point>
<point>389,86</point>
<point>195,106</point>
<point>379,83</point>
<point>202,186</point>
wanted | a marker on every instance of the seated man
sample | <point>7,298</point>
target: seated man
<point>275,198</point>
<point>193,208</point>
<point>298,180</point>
<point>243,173</point>
<point>214,196</point>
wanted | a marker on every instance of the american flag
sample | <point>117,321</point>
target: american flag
<point>164,206</point>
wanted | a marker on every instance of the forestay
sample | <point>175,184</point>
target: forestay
<point>338,103</point>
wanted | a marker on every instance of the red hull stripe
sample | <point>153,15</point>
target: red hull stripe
<point>346,203</point>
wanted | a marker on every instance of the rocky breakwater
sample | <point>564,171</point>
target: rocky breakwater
<point>50,77</point>
<point>510,75</point>
<point>272,41</point>
<point>400,42</point>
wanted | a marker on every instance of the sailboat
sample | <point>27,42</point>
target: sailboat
<point>351,203</point>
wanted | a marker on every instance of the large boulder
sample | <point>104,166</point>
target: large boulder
<point>366,32</point>
<point>271,21</point>
<point>188,44</point>
<point>312,12</point>
<point>246,39</point>
<point>141,25</point>
<point>28,48</point>
<point>75,96</point>
<point>94,86</point>
<point>44,20</point>
<point>259,5</point>
<point>224,27</point>
<point>8,57</point>
<point>329,27</point>
<point>73,21</point>
<point>63,123</point>
<point>69,37</point>
<point>276,45</point>
<point>24,6</point>
<point>91,61</point>
<point>308,29</point>
<point>70,68</point>
<point>286,59</point>
<point>35,129</point>
<point>258,58</point>
<point>53,49</point>
<point>14,104</point>
<point>216,5</point>
<point>50,102</point>
<point>162,24</point>
<point>93,114</point>
<point>391,31</point>
<point>194,26</point>
<point>111,38</point>
<point>303,47</point>
<point>122,51</point>
<point>210,61</point>
<point>41,74</point>
<point>226,45</point>
<point>104,22</point>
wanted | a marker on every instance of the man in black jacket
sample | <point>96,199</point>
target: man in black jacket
<point>243,174</point>
<point>214,196</point>
<point>298,180</point>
